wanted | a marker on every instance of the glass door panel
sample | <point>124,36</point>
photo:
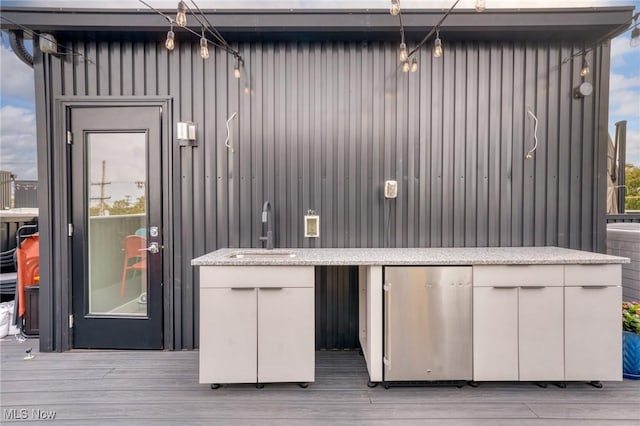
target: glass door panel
<point>117,223</point>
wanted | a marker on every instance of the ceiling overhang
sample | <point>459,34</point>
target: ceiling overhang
<point>583,24</point>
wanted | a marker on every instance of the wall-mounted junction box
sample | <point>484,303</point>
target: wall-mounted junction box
<point>391,189</point>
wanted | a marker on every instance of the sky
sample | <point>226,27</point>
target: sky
<point>624,87</point>
<point>17,111</point>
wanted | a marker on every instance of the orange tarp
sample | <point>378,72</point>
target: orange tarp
<point>28,257</point>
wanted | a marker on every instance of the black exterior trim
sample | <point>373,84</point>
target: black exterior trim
<point>588,24</point>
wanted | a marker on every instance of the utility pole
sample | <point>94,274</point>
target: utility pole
<point>102,184</point>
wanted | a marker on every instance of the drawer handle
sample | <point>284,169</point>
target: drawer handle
<point>505,287</point>
<point>594,287</point>
<point>532,287</point>
<point>242,288</point>
<point>270,288</point>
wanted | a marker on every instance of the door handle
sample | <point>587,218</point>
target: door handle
<point>270,288</point>
<point>532,287</point>
<point>153,248</point>
<point>594,287</point>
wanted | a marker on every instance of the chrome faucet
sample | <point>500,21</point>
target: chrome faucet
<point>268,219</point>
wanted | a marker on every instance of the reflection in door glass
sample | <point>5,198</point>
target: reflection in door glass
<point>117,223</point>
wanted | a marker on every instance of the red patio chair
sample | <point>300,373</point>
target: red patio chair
<point>28,260</point>
<point>135,257</point>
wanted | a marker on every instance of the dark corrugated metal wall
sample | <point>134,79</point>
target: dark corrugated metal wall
<point>321,125</point>
<point>337,307</point>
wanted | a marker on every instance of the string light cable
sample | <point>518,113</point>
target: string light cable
<point>199,35</point>
<point>607,36</point>
<point>209,27</point>
<point>34,35</point>
<point>433,30</point>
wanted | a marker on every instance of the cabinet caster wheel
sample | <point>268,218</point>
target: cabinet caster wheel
<point>303,385</point>
<point>385,385</point>
<point>215,386</point>
<point>259,385</point>
<point>596,384</point>
<point>371,384</point>
<point>473,384</point>
<point>541,385</point>
<point>561,385</point>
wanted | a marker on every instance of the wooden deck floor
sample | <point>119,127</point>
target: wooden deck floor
<point>154,387</point>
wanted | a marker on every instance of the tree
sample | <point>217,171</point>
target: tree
<point>120,207</point>
<point>632,182</point>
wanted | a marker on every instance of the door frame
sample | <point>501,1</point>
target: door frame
<point>58,300</point>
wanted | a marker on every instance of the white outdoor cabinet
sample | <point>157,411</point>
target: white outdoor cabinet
<point>540,333</point>
<point>257,324</point>
<point>228,335</point>
<point>286,339</point>
<point>592,314</point>
<point>495,333</point>
<point>518,323</point>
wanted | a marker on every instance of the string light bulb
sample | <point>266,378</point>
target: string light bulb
<point>437,46</point>
<point>585,67</point>
<point>181,16</point>
<point>171,36</point>
<point>480,6</point>
<point>404,55</point>
<point>405,66</point>
<point>414,65</point>
<point>204,49</point>
<point>395,7</point>
<point>236,70</point>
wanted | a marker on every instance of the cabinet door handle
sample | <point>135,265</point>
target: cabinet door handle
<point>532,287</point>
<point>242,288</point>
<point>270,288</point>
<point>594,287</point>
<point>505,287</point>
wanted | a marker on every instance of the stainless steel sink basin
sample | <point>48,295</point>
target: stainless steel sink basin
<point>261,254</point>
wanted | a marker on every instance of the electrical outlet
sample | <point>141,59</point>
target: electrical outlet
<point>391,189</point>
<point>312,226</point>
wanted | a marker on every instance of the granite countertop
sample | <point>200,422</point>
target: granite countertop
<point>404,256</point>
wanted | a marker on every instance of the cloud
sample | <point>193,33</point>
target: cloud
<point>624,98</point>
<point>17,78</point>
<point>620,82</point>
<point>18,142</point>
<point>621,46</point>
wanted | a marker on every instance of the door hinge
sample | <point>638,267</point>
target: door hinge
<point>70,229</point>
<point>386,287</point>
<point>69,137</point>
<point>386,362</point>
<point>71,321</point>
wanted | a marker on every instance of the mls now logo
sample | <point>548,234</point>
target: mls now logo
<point>24,414</point>
<point>15,414</point>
